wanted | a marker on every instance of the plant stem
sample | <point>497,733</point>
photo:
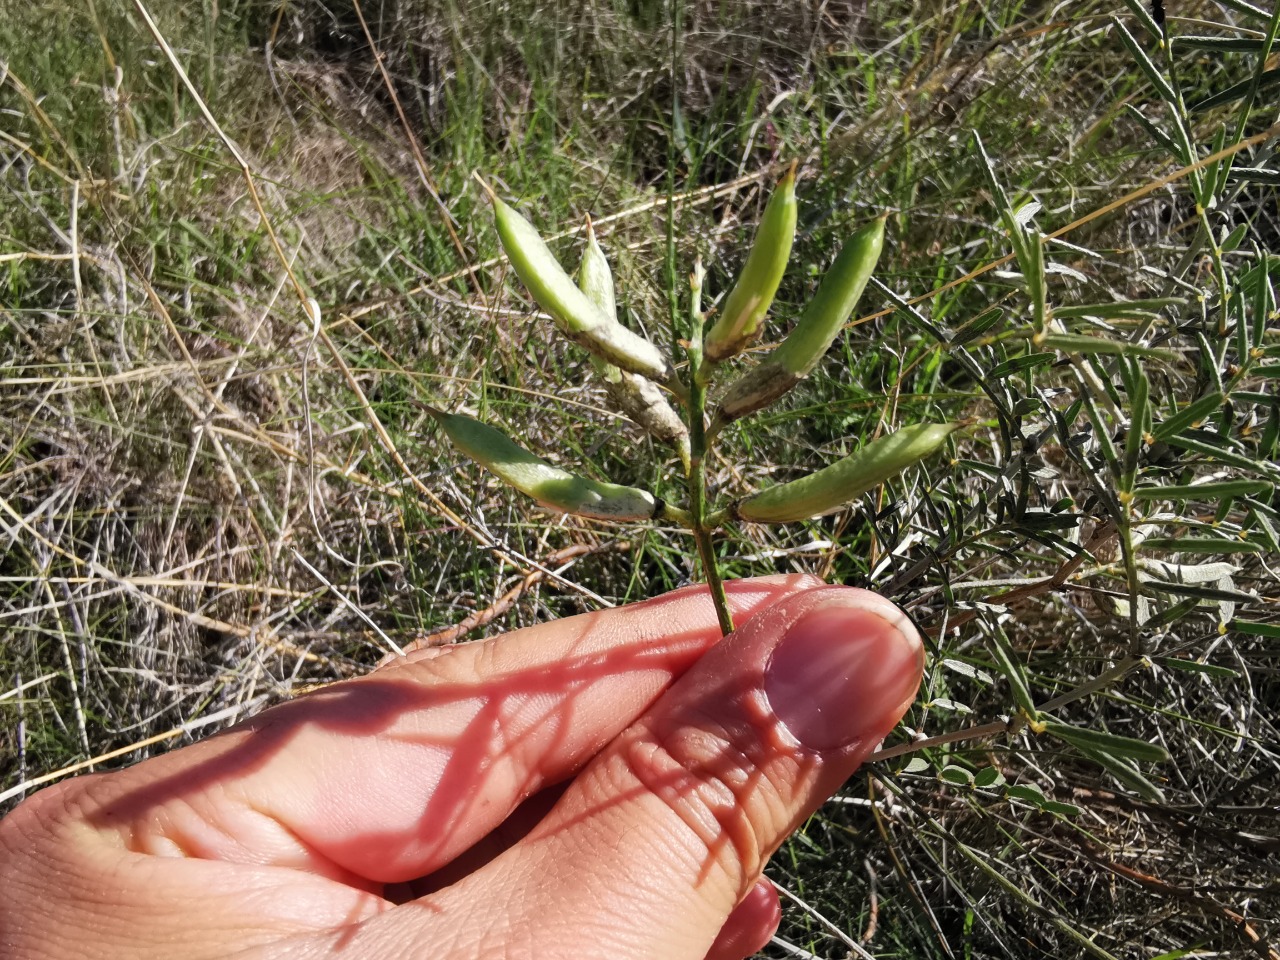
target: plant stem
<point>1011,725</point>
<point>675,514</point>
<point>968,733</point>
<point>698,447</point>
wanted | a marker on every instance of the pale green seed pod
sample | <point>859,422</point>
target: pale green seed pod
<point>552,487</point>
<point>554,290</point>
<point>814,333</point>
<point>834,486</point>
<point>595,277</point>
<point>744,309</point>
<point>639,399</point>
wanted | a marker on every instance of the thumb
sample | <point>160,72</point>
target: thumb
<point>659,838</point>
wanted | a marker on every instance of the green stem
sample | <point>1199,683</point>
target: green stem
<point>698,448</point>
<point>675,514</point>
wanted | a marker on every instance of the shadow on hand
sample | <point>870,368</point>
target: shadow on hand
<point>388,778</point>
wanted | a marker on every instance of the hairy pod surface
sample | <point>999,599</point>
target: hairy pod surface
<point>833,486</point>
<point>576,315</point>
<point>745,307</point>
<point>551,486</point>
<point>817,328</point>
<point>638,398</point>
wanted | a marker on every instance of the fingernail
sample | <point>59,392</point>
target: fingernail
<point>844,673</point>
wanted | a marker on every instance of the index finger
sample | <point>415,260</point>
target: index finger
<point>388,777</point>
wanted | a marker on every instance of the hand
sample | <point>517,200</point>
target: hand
<point>609,785</point>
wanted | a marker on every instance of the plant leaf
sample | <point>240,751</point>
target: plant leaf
<point>1127,774</point>
<point>1027,793</point>
<point>1114,744</point>
<point>1145,63</point>
<point>1190,415</point>
<point>1238,91</point>
<point>1256,629</point>
<point>988,777</point>
<point>1119,309</point>
<point>957,776</point>
<point>1012,668</point>
<point>977,326</point>
<point>1212,490</point>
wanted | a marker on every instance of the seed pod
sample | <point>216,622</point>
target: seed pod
<point>580,319</point>
<point>745,307</point>
<point>817,327</point>
<point>645,404</point>
<point>595,278</point>
<point>639,399</point>
<point>552,487</point>
<point>836,485</point>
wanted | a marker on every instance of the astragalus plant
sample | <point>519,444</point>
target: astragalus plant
<point>684,404</point>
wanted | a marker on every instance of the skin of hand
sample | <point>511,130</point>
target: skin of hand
<point>608,785</point>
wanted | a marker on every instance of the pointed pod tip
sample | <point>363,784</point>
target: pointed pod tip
<point>434,412</point>
<point>873,231</point>
<point>591,230</point>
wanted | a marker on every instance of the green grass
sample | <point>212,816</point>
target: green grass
<point>196,502</point>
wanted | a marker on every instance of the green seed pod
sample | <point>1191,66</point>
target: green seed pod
<point>836,485</point>
<point>639,399</point>
<point>595,278</point>
<point>580,319</point>
<point>818,326</point>
<point>745,307</point>
<point>552,487</point>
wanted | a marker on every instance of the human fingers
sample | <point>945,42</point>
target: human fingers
<point>664,833</point>
<point>389,777</point>
<point>746,931</point>
<point>750,926</point>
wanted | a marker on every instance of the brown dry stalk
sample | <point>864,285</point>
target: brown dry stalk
<point>1105,532</point>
